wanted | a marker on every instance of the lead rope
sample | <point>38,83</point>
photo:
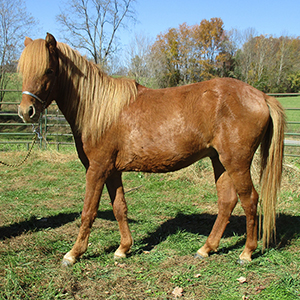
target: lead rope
<point>37,135</point>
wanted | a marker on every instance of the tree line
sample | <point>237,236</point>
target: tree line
<point>203,51</point>
<point>178,56</point>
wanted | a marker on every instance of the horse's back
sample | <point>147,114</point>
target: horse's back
<point>167,129</point>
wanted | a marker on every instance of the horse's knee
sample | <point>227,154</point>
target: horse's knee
<point>88,218</point>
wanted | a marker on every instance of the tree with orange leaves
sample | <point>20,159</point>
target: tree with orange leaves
<point>192,53</point>
<point>210,40</point>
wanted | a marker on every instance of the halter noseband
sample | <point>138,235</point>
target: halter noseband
<point>34,96</point>
<point>38,98</point>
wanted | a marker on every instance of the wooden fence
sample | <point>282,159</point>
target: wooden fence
<point>54,129</point>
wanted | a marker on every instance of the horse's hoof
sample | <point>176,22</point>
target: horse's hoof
<point>243,262</point>
<point>199,256</point>
<point>119,256</point>
<point>66,263</point>
<point>68,260</point>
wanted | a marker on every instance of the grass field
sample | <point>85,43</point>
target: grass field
<point>293,123</point>
<point>292,115</point>
<point>170,217</point>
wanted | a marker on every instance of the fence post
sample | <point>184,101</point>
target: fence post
<point>45,127</point>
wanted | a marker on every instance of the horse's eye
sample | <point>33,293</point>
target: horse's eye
<point>49,72</point>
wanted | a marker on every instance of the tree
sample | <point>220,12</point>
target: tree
<point>138,59</point>
<point>269,64</point>
<point>194,53</point>
<point>15,22</point>
<point>210,39</point>
<point>287,63</point>
<point>168,45</point>
<point>244,52</point>
<point>92,25</point>
<point>294,80</point>
<point>186,54</point>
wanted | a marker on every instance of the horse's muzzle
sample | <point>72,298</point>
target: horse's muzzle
<point>28,114</point>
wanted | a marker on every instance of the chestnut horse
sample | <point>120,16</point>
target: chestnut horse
<point>119,125</point>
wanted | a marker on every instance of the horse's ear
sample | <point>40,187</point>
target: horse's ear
<point>50,41</point>
<point>27,41</point>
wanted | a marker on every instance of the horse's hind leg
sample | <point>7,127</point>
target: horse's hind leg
<point>238,168</point>
<point>116,193</point>
<point>249,200</point>
<point>227,199</point>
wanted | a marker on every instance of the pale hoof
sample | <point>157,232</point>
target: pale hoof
<point>68,260</point>
<point>119,255</point>
<point>244,259</point>
<point>200,255</point>
<point>66,263</point>
<point>243,262</point>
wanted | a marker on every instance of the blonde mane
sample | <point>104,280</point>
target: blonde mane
<point>95,98</point>
<point>34,60</point>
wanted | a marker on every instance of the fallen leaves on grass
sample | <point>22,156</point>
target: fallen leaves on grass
<point>177,292</point>
<point>242,279</point>
<point>259,288</point>
<point>120,265</point>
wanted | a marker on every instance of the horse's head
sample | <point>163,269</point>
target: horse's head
<point>38,65</point>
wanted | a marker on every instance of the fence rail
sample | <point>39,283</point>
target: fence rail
<point>55,130</point>
<point>52,126</point>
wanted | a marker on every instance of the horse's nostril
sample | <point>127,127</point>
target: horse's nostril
<point>31,111</point>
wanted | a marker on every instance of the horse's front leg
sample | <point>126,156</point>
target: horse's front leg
<point>116,193</point>
<point>94,186</point>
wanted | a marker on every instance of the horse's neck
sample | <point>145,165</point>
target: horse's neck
<point>62,103</point>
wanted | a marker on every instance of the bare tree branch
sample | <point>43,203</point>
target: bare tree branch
<point>15,23</point>
<point>92,25</point>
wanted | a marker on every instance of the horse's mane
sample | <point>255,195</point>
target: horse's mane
<point>96,98</point>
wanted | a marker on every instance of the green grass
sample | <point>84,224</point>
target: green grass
<point>292,130</point>
<point>170,216</point>
<point>14,83</point>
<point>292,115</point>
<point>291,102</point>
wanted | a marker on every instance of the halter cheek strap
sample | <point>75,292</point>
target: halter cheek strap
<point>34,96</point>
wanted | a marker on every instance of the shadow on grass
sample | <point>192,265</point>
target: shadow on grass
<point>197,224</point>
<point>288,227</point>
<point>37,224</point>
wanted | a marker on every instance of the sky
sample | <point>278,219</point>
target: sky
<point>275,17</point>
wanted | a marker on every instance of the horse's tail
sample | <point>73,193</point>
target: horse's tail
<point>271,167</point>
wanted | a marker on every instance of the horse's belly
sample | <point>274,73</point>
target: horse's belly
<point>170,143</point>
<point>160,161</point>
